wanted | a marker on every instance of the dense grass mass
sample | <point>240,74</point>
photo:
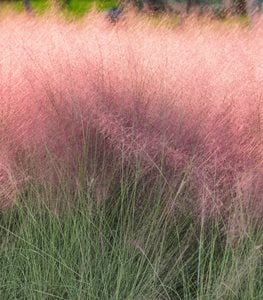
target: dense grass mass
<point>122,250</point>
<point>131,160</point>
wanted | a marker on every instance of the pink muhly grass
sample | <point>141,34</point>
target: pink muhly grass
<point>170,97</point>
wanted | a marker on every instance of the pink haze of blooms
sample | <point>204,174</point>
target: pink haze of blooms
<point>191,95</point>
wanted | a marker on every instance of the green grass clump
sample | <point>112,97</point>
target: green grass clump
<point>128,246</point>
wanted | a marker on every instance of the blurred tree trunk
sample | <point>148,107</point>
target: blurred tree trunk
<point>152,5</point>
<point>252,9</point>
<point>249,7</point>
<point>27,5</point>
<point>192,3</point>
<point>228,6</point>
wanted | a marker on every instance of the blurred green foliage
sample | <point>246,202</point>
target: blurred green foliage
<point>69,7</point>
